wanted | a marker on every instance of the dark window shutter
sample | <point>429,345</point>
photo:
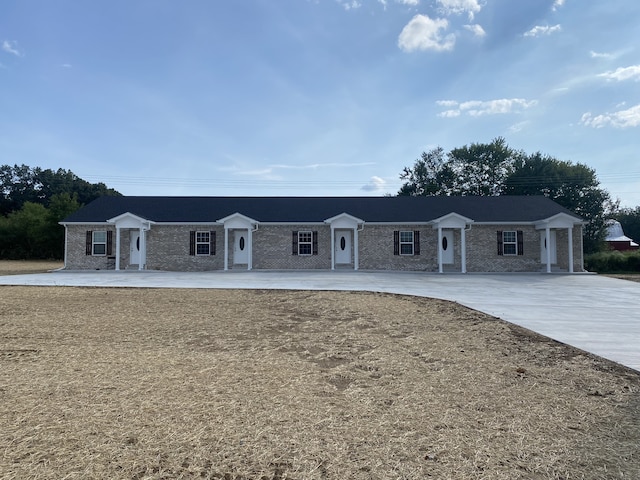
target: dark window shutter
<point>294,242</point>
<point>500,249</point>
<point>192,242</point>
<point>212,243</point>
<point>109,242</point>
<point>396,242</point>
<point>315,243</point>
<point>88,242</point>
<point>520,243</point>
<point>416,242</point>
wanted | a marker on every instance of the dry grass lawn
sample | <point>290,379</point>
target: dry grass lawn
<point>16,267</point>
<point>221,384</point>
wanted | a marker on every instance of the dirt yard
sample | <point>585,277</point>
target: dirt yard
<point>15,267</point>
<point>158,384</point>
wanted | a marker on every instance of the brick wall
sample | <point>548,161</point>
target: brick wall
<point>272,248</point>
<point>168,249</point>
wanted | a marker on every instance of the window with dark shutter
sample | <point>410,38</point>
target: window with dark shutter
<point>500,250</point>
<point>212,243</point>
<point>315,243</point>
<point>520,242</point>
<point>192,242</point>
<point>88,242</point>
<point>416,242</point>
<point>294,243</point>
<point>396,242</point>
<point>109,242</point>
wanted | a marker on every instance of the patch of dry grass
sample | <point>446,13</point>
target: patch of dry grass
<point>16,267</point>
<point>154,384</point>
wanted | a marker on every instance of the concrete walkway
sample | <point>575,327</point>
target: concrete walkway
<point>597,314</point>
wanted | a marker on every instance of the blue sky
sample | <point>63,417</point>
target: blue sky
<point>313,97</point>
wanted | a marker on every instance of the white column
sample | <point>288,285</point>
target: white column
<point>439,249</point>
<point>547,236</point>
<point>142,254</point>
<point>463,249</point>
<point>250,247</point>
<point>117,248</point>
<point>226,248</point>
<point>333,249</point>
<point>355,246</point>
<point>570,232</point>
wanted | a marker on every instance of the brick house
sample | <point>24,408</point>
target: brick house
<point>430,234</point>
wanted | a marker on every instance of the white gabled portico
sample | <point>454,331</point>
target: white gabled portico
<point>557,222</point>
<point>130,221</point>
<point>243,227</point>
<point>341,248</point>
<point>452,221</point>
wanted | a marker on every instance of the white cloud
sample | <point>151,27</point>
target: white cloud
<point>620,119</point>
<point>542,30</point>
<point>470,7</point>
<point>423,33</point>
<point>375,184</point>
<point>601,55</point>
<point>623,73</point>
<point>557,4</point>
<point>477,108</point>
<point>476,29</point>
<point>352,5</point>
<point>517,127</point>
<point>11,47</point>
<point>413,3</point>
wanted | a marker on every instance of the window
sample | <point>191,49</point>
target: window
<point>510,242</point>
<point>202,243</point>
<point>406,243</point>
<point>305,243</point>
<point>99,243</point>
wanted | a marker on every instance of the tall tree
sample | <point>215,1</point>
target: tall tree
<point>477,169</point>
<point>496,169</point>
<point>574,186</point>
<point>21,184</point>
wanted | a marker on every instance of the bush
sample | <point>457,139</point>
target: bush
<point>613,262</point>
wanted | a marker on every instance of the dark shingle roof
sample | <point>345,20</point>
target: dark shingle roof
<point>317,209</point>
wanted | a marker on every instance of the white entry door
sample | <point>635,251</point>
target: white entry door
<point>241,247</point>
<point>134,247</point>
<point>343,247</point>
<point>543,247</point>
<point>447,247</point>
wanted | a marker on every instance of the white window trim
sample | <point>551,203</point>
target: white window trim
<point>94,243</point>
<point>207,243</point>
<point>514,243</point>
<point>411,243</point>
<point>304,242</point>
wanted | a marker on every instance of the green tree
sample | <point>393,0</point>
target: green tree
<point>574,186</point>
<point>24,233</point>
<point>629,218</point>
<point>497,169</point>
<point>477,169</point>
<point>21,184</point>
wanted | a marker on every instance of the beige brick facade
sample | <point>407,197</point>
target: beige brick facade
<point>168,248</point>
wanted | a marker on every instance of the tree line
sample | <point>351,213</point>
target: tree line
<point>32,202</point>
<point>496,169</point>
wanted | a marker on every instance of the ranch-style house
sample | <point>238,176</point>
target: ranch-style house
<point>430,234</point>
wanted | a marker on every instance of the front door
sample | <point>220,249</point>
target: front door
<point>543,247</point>
<point>343,247</point>
<point>240,247</point>
<point>134,247</point>
<point>447,247</point>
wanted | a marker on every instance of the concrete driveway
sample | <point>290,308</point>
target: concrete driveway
<point>597,314</point>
